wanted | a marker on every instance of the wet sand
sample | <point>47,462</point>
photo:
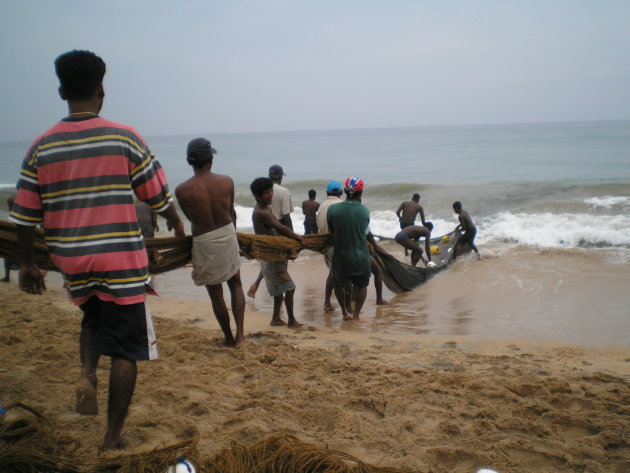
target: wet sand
<point>423,403</point>
<point>578,297</point>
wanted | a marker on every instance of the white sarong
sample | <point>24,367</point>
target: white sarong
<point>215,256</point>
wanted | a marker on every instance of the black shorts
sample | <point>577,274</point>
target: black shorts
<point>122,331</point>
<point>310,227</point>
<point>469,236</point>
<point>400,237</point>
<point>404,225</point>
<point>360,280</point>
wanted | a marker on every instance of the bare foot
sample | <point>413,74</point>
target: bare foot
<point>355,318</point>
<point>294,324</point>
<point>328,308</point>
<point>114,444</point>
<point>382,302</point>
<point>251,292</point>
<point>85,398</point>
<point>347,317</point>
<point>240,341</point>
<point>6,279</point>
<point>277,322</point>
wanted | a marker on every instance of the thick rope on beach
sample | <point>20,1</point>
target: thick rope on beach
<point>167,254</point>
<point>28,444</point>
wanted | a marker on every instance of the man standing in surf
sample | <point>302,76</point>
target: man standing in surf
<point>276,274</point>
<point>349,221</point>
<point>281,207</point>
<point>470,231</point>
<point>207,199</point>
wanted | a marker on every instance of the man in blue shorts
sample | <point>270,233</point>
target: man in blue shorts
<point>348,222</point>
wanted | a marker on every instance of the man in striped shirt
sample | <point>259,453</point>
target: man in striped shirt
<point>78,179</point>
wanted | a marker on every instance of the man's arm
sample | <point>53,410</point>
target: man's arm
<point>286,221</point>
<point>427,246</point>
<point>376,246</point>
<point>400,207</point>
<point>283,229</point>
<point>173,222</point>
<point>30,278</point>
<point>421,212</point>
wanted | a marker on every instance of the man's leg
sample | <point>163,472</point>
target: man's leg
<point>360,294</point>
<point>340,293</point>
<point>221,313</point>
<point>7,271</point>
<point>378,283</point>
<point>328,292</point>
<point>251,292</point>
<point>122,381</point>
<point>288,303</point>
<point>238,307</point>
<point>414,249</point>
<point>276,321</point>
<point>85,390</point>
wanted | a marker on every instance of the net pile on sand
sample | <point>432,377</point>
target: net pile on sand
<point>167,254</point>
<point>29,443</point>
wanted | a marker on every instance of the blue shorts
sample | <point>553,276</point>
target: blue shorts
<point>122,331</point>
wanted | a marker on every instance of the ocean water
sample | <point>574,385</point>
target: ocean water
<point>553,193</point>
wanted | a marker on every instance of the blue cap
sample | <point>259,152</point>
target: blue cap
<point>333,186</point>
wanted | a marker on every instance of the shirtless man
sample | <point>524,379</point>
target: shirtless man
<point>407,238</point>
<point>207,199</point>
<point>407,212</point>
<point>279,283</point>
<point>466,224</point>
<point>281,208</point>
<point>309,209</point>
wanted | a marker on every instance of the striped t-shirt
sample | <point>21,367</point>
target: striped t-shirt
<point>78,180</point>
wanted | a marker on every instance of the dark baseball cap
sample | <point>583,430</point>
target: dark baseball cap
<point>200,149</point>
<point>276,170</point>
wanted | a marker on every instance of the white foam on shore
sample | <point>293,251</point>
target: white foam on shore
<point>565,230</point>
<point>607,201</point>
<point>542,230</point>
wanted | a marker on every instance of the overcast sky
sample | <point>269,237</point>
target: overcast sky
<point>196,67</point>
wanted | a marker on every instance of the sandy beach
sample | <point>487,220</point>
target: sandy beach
<point>442,404</point>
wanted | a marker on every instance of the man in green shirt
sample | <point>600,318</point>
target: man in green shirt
<point>348,221</point>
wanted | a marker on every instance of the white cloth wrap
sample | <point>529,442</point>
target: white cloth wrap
<point>215,256</point>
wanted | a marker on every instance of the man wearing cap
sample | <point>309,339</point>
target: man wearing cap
<point>207,199</point>
<point>333,196</point>
<point>281,208</point>
<point>349,221</point>
<point>79,179</point>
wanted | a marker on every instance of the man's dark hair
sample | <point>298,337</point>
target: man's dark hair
<point>429,225</point>
<point>457,205</point>
<point>260,185</point>
<point>79,73</point>
<point>415,197</point>
<point>312,194</point>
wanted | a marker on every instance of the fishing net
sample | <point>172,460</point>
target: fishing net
<point>29,444</point>
<point>167,254</point>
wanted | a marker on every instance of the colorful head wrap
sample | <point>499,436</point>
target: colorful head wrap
<point>353,184</point>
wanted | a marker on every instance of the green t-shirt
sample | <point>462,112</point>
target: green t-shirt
<point>348,222</point>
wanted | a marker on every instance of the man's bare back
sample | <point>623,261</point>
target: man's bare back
<point>408,210</point>
<point>465,221</point>
<point>415,232</point>
<point>207,199</point>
